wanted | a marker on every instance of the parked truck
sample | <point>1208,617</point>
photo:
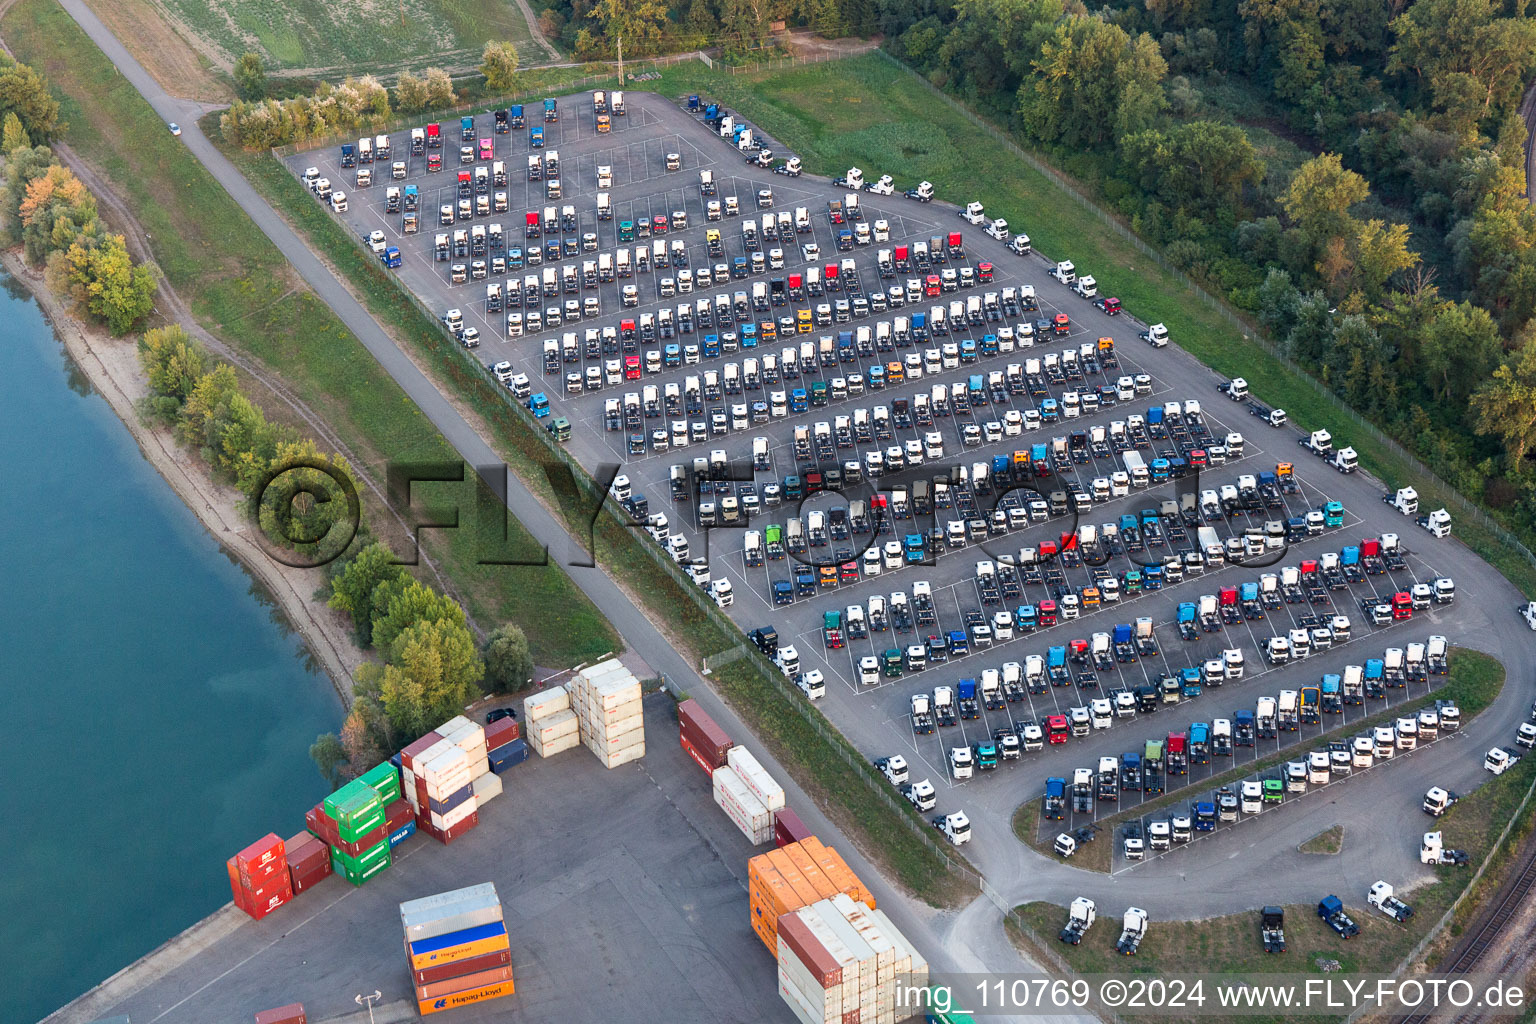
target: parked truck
<point>1080,917</point>
<point>1381,897</point>
<point>1272,929</point>
<point>1134,929</point>
<point>1331,910</point>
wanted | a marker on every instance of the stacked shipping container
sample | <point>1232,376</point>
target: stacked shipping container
<point>440,771</point>
<point>841,962</point>
<point>258,876</point>
<point>458,950</point>
<point>702,739</point>
<point>794,876</point>
<point>293,1013</point>
<point>504,745</point>
<point>610,718</point>
<point>352,821</point>
<point>309,860</point>
<point>748,795</point>
<point>551,724</point>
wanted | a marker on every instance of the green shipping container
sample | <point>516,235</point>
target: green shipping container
<point>356,809</point>
<point>385,781</point>
<point>358,870</point>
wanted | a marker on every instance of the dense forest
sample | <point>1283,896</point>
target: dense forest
<point>1349,172</point>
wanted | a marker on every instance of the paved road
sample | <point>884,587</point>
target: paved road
<point>948,948</point>
<point>957,942</point>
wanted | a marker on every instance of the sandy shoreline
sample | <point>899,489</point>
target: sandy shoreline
<point>111,365</point>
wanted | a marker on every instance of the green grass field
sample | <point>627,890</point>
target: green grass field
<point>238,284</point>
<point>362,37</point>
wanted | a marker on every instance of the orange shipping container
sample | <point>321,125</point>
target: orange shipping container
<point>840,873</point>
<point>817,877</point>
<point>805,890</point>
<point>426,1006</point>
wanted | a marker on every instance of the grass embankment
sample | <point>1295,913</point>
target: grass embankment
<point>1326,843</point>
<point>351,38</point>
<point>1474,683</point>
<point>819,763</point>
<point>239,286</point>
<point>868,112</point>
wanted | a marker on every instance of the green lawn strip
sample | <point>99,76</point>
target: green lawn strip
<point>1474,683</point>
<point>238,284</point>
<point>867,112</point>
<point>1326,843</point>
<point>1230,944</point>
<point>811,757</point>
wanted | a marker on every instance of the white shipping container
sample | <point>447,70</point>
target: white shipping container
<point>634,753</point>
<point>549,702</point>
<point>858,915</point>
<point>453,725</point>
<point>427,755</point>
<point>552,727</point>
<point>453,817</point>
<point>555,746</point>
<point>450,763</point>
<point>416,915</point>
<point>487,787</point>
<point>803,1008</point>
<point>441,791</point>
<point>756,778</point>
<point>850,937</point>
<point>601,713</point>
<point>743,807</point>
<point>829,941</point>
<point>613,690</point>
<point>601,668</point>
<point>602,746</point>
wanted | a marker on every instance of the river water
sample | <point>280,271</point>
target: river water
<point>157,710</point>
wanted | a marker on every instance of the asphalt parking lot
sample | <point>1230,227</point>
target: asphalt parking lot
<point>708,402</point>
<point>628,886</point>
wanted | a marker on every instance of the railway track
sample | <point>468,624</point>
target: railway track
<point>1487,932</point>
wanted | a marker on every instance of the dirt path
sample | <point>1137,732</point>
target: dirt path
<point>166,47</point>
<point>112,366</point>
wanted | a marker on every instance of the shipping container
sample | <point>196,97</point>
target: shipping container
<point>757,779</point>
<point>461,968</point>
<point>293,1013</point>
<point>788,828</point>
<point>501,732</point>
<point>426,1006</point>
<point>453,947</point>
<point>744,809</point>
<point>480,979</point>
<point>703,740</point>
<point>436,915</point>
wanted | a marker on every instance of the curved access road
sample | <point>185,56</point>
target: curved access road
<point>954,942</point>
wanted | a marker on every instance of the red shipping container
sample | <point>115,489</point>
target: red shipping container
<point>322,825</point>
<point>424,824</point>
<point>706,738</point>
<point>502,732</point>
<point>259,903</point>
<point>788,828</point>
<point>257,858</point>
<point>464,984</point>
<point>396,815</point>
<point>293,1013</point>
<point>821,964</point>
<point>304,850</point>
<point>409,754</point>
<point>308,878</point>
<point>472,965</point>
<point>698,758</point>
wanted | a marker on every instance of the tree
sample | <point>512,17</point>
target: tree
<point>330,757</point>
<point>1089,71</point>
<point>1505,406</point>
<point>1471,59</point>
<point>498,63</point>
<point>440,655</point>
<point>250,77</point>
<point>354,585</point>
<point>210,391</point>
<point>116,291</point>
<point>1199,168</point>
<point>636,22</point>
<point>173,361</point>
<point>1320,195</point>
<point>14,136</point>
<point>508,662</point>
<point>1285,44</point>
<point>1460,348</point>
<point>400,604</point>
<point>439,88</point>
<point>744,22</point>
<point>25,93</point>
<point>410,92</point>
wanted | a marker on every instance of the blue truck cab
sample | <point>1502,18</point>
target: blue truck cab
<point>1050,410</point>
<point>672,355</point>
<point>1160,470</point>
<point>1374,670</point>
<point>989,344</point>
<point>1152,579</point>
<point>1333,513</point>
<point>551,111</point>
<point>1056,657</point>
<point>798,401</point>
<point>967,350</point>
<point>1027,617</point>
<point>515,114</point>
<point>711,346</point>
<point>1186,613</point>
<point>467,128</point>
<point>539,405</point>
<point>783,592</point>
<point>536,137</point>
<point>390,257</point>
<point>1205,816</point>
<point>348,155</point>
<point>749,335</point>
<point>1249,592</point>
<point>805,582</point>
<point>914,548</point>
<point>794,490</point>
<point>967,689</point>
<point>1189,679</point>
<point>958,643</point>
